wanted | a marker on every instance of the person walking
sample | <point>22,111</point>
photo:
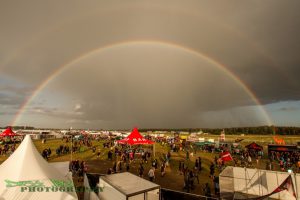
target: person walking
<point>151,174</point>
<point>127,166</point>
<point>98,153</point>
<point>199,164</point>
<point>216,185</point>
<point>187,155</point>
<point>141,170</point>
<point>163,169</point>
<point>186,178</point>
<point>212,169</point>
<point>180,167</point>
<point>207,191</point>
<point>196,175</point>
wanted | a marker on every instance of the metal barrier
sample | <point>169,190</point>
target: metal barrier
<point>167,194</point>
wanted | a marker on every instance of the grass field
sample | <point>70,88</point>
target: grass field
<point>172,179</point>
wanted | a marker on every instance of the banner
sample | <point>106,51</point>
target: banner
<point>225,156</point>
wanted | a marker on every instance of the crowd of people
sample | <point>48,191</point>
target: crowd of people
<point>7,149</point>
<point>46,153</point>
<point>141,161</point>
<point>123,157</point>
<point>286,160</point>
<point>78,169</point>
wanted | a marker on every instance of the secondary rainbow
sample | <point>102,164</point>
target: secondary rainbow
<point>201,55</point>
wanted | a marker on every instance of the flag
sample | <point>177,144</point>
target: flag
<point>286,185</point>
<point>225,156</point>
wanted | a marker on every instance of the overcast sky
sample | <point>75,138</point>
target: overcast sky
<point>150,64</point>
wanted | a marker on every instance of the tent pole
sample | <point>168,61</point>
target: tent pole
<point>259,176</point>
<point>277,183</point>
<point>296,191</point>
<point>246,182</point>
<point>71,147</point>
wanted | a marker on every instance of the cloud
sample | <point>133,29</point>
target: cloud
<point>53,111</point>
<point>77,107</point>
<point>150,85</point>
<point>289,109</point>
<point>13,96</point>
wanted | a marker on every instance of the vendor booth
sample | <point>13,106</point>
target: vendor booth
<point>254,147</point>
<point>282,148</point>
<point>127,186</point>
<point>8,133</point>
<point>135,138</point>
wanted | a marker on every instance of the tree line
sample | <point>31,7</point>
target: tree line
<point>259,130</point>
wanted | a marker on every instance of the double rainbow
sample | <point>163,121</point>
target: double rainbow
<point>60,70</point>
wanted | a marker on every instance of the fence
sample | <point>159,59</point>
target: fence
<point>167,194</point>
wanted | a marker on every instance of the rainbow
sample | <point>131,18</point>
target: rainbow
<point>201,55</point>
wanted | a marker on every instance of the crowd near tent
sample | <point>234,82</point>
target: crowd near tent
<point>204,143</point>
<point>135,138</point>
<point>127,186</point>
<point>254,146</point>
<point>282,148</point>
<point>8,133</point>
<point>244,183</point>
<point>26,175</point>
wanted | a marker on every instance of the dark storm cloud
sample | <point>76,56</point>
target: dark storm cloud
<point>150,91</point>
<point>256,40</point>
<point>13,96</point>
<point>289,109</point>
<point>53,111</point>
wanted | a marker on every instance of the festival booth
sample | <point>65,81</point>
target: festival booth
<point>282,148</point>
<point>245,183</point>
<point>53,135</point>
<point>26,175</point>
<point>8,133</point>
<point>254,147</point>
<point>203,143</point>
<point>204,146</point>
<point>127,186</point>
<point>135,138</point>
<point>233,147</point>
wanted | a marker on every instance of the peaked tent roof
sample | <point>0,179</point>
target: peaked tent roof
<point>26,164</point>
<point>8,133</point>
<point>255,146</point>
<point>83,132</point>
<point>135,138</point>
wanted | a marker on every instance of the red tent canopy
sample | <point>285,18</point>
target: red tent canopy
<point>254,146</point>
<point>135,138</point>
<point>8,133</point>
<point>83,132</point>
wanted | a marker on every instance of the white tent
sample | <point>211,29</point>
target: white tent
<point>26,175</point>
<point>244,183</point>
<point>89,194</point>
<point>127,186</point>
